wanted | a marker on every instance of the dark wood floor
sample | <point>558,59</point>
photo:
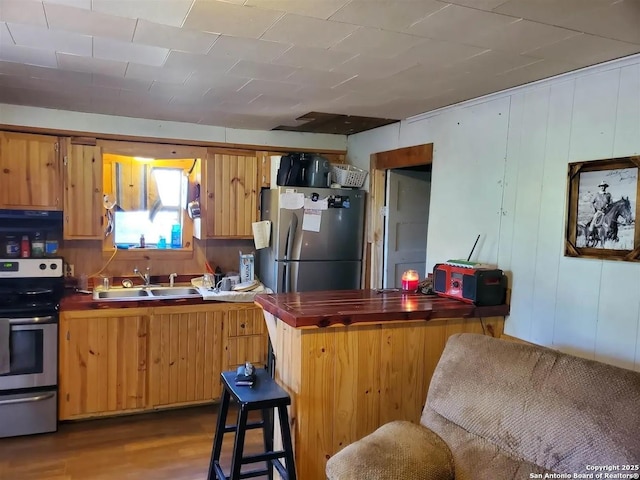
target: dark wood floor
<point>172,445</point>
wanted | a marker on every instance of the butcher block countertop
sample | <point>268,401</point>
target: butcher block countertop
<point>346,307</point>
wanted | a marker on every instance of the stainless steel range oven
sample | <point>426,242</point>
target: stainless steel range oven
<point>30,292</point>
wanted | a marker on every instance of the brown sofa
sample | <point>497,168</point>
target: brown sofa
<point>498,409</point>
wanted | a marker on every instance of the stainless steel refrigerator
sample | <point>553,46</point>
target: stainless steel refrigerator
<point>301,259</point>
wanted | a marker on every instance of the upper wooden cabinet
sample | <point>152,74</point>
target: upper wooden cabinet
<point>30,174</point>
<point>83,207</point>
<point>229,195</point>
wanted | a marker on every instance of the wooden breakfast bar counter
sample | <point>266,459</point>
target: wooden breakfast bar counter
<point>353,360</point>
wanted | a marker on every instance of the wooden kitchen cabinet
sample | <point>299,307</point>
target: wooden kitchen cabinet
<point>229,195</point>
<point>103,362</point>
<point>83,208</point>
<point>246,337</point>
<point>30,173</point>
<point>125,360</point>
<point>185,360</point>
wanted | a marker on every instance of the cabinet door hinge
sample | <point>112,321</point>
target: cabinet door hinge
<point>68,335</point>
<point>56,146</point>
<point>65,161</point>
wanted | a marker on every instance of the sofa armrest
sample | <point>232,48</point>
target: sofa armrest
<point>397,449</point>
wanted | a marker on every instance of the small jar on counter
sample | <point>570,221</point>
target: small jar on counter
<point>11,247</point>
<point>37,245</point>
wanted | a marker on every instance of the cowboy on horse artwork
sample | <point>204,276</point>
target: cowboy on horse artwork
<point>604,224</point>
<point>601,203</point>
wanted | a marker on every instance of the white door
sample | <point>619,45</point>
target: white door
<point>405,246</point>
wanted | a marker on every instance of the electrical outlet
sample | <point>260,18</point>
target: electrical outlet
<point>69,271</point>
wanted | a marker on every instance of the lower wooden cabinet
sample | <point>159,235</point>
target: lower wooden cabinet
<point>246,338</point>
<point>185,361</point>
<point>103,362</point>
<point>125,360</point>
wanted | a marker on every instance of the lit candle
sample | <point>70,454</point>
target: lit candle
<point>410,280</point>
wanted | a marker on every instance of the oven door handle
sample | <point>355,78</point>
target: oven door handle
<point>30,320</point>
<point>35,398</point>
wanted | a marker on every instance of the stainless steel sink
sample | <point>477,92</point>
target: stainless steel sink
<point>120,293</point>
<point>174,291</point>
<point>146,293</point>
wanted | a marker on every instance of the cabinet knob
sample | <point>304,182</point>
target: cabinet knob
<point>242,325</point>
<point>6,170</point>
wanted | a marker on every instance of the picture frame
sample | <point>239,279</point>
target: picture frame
<point>603,200</point>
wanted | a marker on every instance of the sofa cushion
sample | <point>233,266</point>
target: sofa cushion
<point>554,410</point>
<point>476,458</point>
<point>398,450</point>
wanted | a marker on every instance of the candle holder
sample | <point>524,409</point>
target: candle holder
<point>410,281</point>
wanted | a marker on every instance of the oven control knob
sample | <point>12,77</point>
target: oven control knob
<point>43,266</point>
<point>54,266</point>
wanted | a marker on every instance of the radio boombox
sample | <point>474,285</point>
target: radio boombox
<point>471,284</point>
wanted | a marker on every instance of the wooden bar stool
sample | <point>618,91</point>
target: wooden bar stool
<point>264,395</point>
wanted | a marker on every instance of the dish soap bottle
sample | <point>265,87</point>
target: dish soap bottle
<point>142,242</point>
<point>176,236</point>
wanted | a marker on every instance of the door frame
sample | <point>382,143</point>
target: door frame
<point>380,162</point>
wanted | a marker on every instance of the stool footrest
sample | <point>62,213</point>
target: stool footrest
<point>262,457</point>
<point>250,426</point>
<point>248,474</point>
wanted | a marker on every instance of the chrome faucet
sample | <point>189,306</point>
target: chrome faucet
<point>172,278</point>
<point>146,277</point>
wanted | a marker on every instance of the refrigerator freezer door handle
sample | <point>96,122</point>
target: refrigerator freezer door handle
<point>291,234</point>
<point>286,278</point>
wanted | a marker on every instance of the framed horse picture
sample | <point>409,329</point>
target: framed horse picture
<point>602,207</point>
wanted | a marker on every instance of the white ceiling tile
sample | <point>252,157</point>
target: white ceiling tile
<point>247,49</point>
<point>28,55</point>
<point>264,71</point>
<point>309,8</point>
<point>169,12</point>
<point>146,72</point>
<point>256,87</point>
<point>492,61</point>
<point>522,36</point>
<point>5,36</point>
<point>86,4</point>
<point>318,78</point>
<point>619,21</point>
<point>123,83</point>
<point>216,81</point>
<point>190,62</point>
<point>62,17</point>
<point>22,11</point>
<point>386,14</point>
<point>585,49</point>
<point>454,22</point>
<point>548,11</point>
<point>536,71</point>
<point>120,51</point>
<point>310,57</point>
<point>171,90</point>
<point>58,75</point>
<point>175,38</point>
<point>308,32</point>
<point>272,104</point>
<point>92,65</point>
<point>479,4</point>
<point>374,67</point>
<point>439,52</point>
<point>377,42</point>
<point>221,17</point>
<point>60,41</point>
